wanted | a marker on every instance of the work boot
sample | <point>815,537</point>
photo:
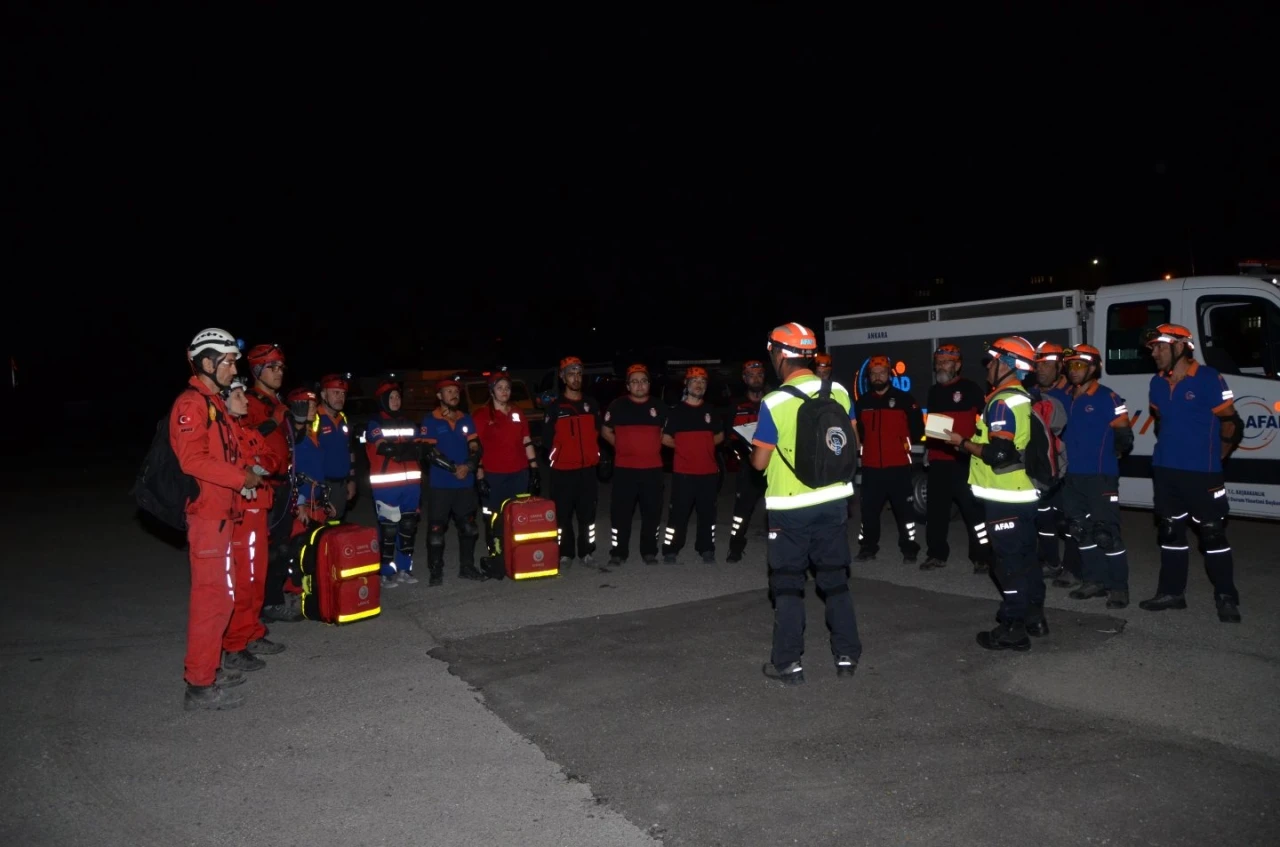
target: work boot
<point>229,679</point>
<point>1160,602</point>
<point>650,559</point>
<point>390,582</point>
<point>435,575</point>
<point>282,612</point>
<point>909,558</point>
<point>669,559</point>
<point>980,565</point>
<point>1117,599</point>
<point>1067,579</point>
<point>616,560</point>
<point>242,660</point>
<point>588,560</point>
<point>1006,636</point>
<point>469,571</point>
<point>865,555</point>
<point>213,697</point>
<point>932,563</point>
<point>1036,623</point>
<point>792,674</point>
<point>1088,591</point>
<point>264,647</point>
<point>1049,571</point>
<point>708,557</point>
<point>1228,610</point>
<point>845,666</point>
<point>735,552</point>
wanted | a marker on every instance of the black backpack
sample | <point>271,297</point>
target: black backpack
<point>162,489</point>
<point>826,447</point>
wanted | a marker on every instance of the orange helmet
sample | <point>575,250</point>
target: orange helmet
<point>1014,351</point>
<point>1168,334</point>
<point>794,341</point>
<point>879,362</point>
<point>637,368</point>
<point>1083,353</point>
<point>822,360</point>
<point>262,355</point>
<point>695,372</point>
<point>752,365</point>
<point>569,362</point>
<point>337,381</point>
<point>1047,351</point>
<point>455,381</point>
<point>947,351</point>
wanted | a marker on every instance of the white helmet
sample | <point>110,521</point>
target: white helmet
<point>217,340</point>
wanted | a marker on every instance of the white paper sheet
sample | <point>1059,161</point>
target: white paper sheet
<point>747,431</point>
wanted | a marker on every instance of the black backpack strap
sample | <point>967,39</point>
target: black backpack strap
<point>794,392</point>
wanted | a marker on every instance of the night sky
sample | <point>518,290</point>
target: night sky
<point>370,191</point>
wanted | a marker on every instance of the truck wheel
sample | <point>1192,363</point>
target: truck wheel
<point>920,493</point>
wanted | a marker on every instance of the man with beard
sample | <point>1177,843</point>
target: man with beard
<point>889,422</point>
<point>1197,427</point>
<point>452,448</point>
<point>750,486</point>
<point>570,435</point>
<point>948,477</point>
<point>1097,434</point>
<point>633,425</point>
<point>270,416</point>
<point>693,431</point>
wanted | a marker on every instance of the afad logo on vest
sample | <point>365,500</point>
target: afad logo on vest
<point>1261,421</point>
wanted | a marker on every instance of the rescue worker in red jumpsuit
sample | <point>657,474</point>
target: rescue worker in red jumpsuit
<point>206,447</point>
<point>889,422</point>
<point>750,486</point>
<point>334,433</point>
<point>570,435</point>
<point>270,416</point>
<point>246,637</point>
<point>693,431</point>
<point>508,461</point>
<point>395,477</point>
<point>633,425</point>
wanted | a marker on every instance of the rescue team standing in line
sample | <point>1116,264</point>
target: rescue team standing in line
<point>267,468</point>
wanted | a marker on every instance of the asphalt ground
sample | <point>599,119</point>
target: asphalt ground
<point>625,706</point>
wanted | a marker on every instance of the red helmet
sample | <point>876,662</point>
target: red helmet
<point>1047,351</point>
<point>1168,334</point>
<point>1083,353</point>
<point>947,351</point>
<point>794,341</point>
<point>637,369</point>
<point>495,377</point>
<point>695,372</point>
<point>264,354</point>
<point>455,381</point>
<point>753,365</point>
<point>386,387</point>
<point>569,362</point>
<point>337,381</point>
<point>1014,351</point>
<point>301,395</point>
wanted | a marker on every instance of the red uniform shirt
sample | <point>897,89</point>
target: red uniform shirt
<point>694,429</point>
<point>569,433</point>
<point>202,438</point>
<point>637,432</point>
<point>961,400</point>
<point>502,436</point>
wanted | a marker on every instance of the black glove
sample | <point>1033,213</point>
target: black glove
<point>482,488</point>
<point>388,449</point>
<point>440,460</point>
<point>409,451</point>
<point>268,426</point>
<point>1124,441</point>
<point>473,462</point>
<point>535,482</point>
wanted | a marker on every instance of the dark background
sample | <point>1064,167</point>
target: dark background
<point>373,191</point>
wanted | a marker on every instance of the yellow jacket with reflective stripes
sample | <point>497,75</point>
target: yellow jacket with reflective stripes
<point>783,490</point>
<point>1012,485</point>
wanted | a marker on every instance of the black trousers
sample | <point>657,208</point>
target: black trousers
<point>575,493</point>
<point>1201,498</point>
<point>279,525</point>
<point>893,485</point>
<point>948,482</point>
<point>632,487</point>
<point>460,504</point>
<point>747,494</point>
<point>690,492</point>
<point>1092,504</point>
